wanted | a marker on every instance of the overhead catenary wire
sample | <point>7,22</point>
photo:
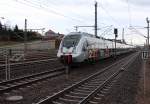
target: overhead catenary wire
<point>57,7</point>
<point>109,15</point>
<point>138,32</point>
<point>53,4</point>
<point>129,12</point>
<point>37,6</point>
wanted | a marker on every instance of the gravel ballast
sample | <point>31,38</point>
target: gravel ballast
<point>125,89</point>
<point>41,90</point>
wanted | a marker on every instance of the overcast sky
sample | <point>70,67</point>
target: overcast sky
<point>62,15</point>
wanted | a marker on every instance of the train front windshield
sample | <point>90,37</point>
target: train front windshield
<point>71,40</point>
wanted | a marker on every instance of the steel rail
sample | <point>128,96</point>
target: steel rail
<point>29,62</point>
<point>52,98</point>
<point>26,80</point>
<point>86,99</point>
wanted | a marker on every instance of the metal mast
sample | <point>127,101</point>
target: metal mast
<point>96,19</point>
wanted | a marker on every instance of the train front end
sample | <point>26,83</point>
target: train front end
<point>68,49</point>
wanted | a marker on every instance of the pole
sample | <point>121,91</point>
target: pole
<point>115,32</point>
<point>95,19</point>
<point>25,37</point>
<point>144,89</point>
<point>76,28</point>
<point>146,44</point>
<point>6,66</point>
<point>147,20</point>
<point>115,45</point>
<point>8,63</point>
<point>123,35</point>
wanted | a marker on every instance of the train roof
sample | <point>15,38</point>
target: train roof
<point>91,35</point>
<point>87,35</point>
<point>81,33</point>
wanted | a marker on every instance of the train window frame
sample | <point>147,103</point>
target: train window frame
<point>67,40</point>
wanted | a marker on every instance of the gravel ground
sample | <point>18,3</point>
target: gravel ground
<point>40,90</point>
<point>125,89</point>
<point>143,96</point>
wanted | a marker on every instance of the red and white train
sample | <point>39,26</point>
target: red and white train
<point>78,47</point>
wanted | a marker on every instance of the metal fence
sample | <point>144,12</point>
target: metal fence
<point>11,57</point>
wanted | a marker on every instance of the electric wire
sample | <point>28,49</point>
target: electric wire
<point>129,13</point>
<point>138,32</point>
<point>57,7</point>
<point>37,6</point>
<point>109,15</point>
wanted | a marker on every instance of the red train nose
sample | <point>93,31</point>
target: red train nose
<point>66,59</point>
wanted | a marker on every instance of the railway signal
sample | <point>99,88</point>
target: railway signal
<point>116,35</point>
<point>116,32</point>
<point>147,20</point>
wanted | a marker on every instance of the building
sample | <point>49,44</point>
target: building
<point>55,38</point>
<point>50,35</point>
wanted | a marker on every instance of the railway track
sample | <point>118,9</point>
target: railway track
<point>30,62</point>
<point>31,55</point>
<point>27,68</point>
<point>92,89</point>
<point>6,86</point>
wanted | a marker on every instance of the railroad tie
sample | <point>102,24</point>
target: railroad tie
<point>103,92</point>
<point>108,87</point>
<point>92,102</point>
<point>97,98</point>
<point>85,88</point>
<point>55,102</point>
<point>100,95</point>
<point>68,100</point>
<point>89,86</point>
<point>92,84</point>
<point>105,89</point>
<point>84,91</point>
<point>71,96</point>
<point>78,93</point>
<point>17,83</point>
<point>3,87</point>
<point>10,85</point>
<point>95,83</point>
